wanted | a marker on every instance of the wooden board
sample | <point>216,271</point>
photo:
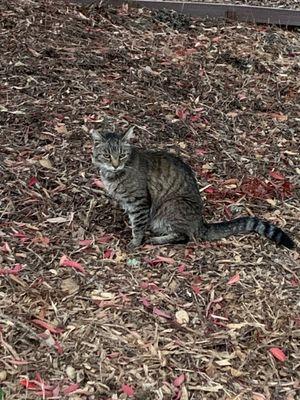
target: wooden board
<point>266,15</point>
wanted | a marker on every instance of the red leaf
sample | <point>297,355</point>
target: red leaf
<point>22,236</point>
<point>108,254</point>
<point>18,362</point>
<point>56,391</point>
<point>181,113</point>
<point>46,325</point>
<point>200,152</point>
<point>181,268</point>
<point>179,380</point>
<point>42,240</point>
<point>86,242</point>
<point>5,248</point>
<point>209,190</point>
<point>65,262</point>
<point>167,260</point>
<point>150,286</point>
<point>234,279</point>
<point>197,280</point>
<point>295,282</point>
<point>113,355</point>
<point>195,118</point>
<point>177,395</point>
<point>12,271</point>
<point>104,239</point>
<point>58,347</point>
<point>196,289</point>
<point>29,385</point>
<point>146,302</point>
<point>227,213</point>
<point>160,260</point>
<point>278,353</point>
<point>153,287</point>
<point>45,393</point>
<point>105,101</point>
<point>161,313</point>
<point>128,390</point>
<point>286,189</point>
<point>242,96</point>
<point>277,175</point>
<point>96,182</point>
<point>71,388</point>
<point>37,384</point>
<point>32,181</point>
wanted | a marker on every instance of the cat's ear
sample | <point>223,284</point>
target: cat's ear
<point>128,135</point>
<point>96,135</point>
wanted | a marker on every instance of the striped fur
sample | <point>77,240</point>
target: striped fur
<point>245,225</point>
<point>159,193</point>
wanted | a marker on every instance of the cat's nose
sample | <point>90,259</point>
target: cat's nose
<point>115,162</point>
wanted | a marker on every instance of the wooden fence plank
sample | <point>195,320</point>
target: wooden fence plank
<point>266,15</point>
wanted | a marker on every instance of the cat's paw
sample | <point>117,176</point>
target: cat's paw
<point>133,244</point>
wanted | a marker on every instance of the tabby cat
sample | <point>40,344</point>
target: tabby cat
<point>160,193</point>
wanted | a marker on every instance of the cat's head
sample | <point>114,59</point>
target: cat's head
<point>112,150</point>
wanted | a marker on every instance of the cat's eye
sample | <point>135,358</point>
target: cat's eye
<point>122,156</point>
<point>106,156</point>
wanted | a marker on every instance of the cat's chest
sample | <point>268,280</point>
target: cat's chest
<point>109,185</point>
<point>114,187</point>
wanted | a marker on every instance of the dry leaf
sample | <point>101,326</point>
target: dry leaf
<point>62,129</point>
<point>69,286</point>
<point>210,369</point>
<point>3,375</point>
<point>107,295</point>
<point>150,71</point>
<point>223,363</point>
<point>161,313</point>
<point>97,295</point>
<point>232,114</point>
<point>45,163</point>
<point>71,372</point>
<point>182,317</point>
<point>271,202</point>
<point>237,326</point>
<point>184,393</point>
<point>57,220</point>
<point>279,117</point>
<point>236,373</point>
<point>34,52</point>
<point>258,396</point>
<point>234,279</point>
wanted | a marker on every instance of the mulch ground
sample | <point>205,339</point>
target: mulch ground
<point>80,317</point>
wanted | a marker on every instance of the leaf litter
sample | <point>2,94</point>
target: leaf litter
<point>202,321</point>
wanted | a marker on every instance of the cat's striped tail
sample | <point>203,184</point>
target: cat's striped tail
<point>244,225</point>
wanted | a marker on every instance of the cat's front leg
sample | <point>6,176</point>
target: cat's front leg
<point>139,219</point>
